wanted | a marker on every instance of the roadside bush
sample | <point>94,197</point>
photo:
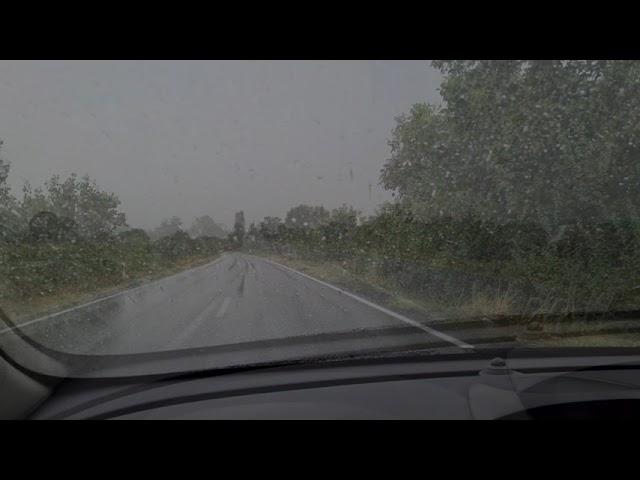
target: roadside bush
<point>175,246</point>
<point>37,269</point>
<point>47,268</point>
<point>206,245</point>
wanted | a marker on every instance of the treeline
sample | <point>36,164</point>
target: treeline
<point>70,236</point>
<point>588,267</point>
<point>312,230</point>
<point>203,226</point>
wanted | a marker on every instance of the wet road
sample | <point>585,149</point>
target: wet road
<point>238,298</point>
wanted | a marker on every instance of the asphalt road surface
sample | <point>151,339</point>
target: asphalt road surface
<point>236,299</point>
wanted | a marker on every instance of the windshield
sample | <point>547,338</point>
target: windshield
<point>239,212</point>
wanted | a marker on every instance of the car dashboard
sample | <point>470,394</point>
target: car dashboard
<point>416,389</point>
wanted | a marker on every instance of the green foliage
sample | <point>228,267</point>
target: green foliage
<point>239,228</point>
<point>528,174</point>
<point>68,237</point>
<point>135,237</point>
<point>551,142</point>
<point>4,174</point>
<point>306,217</point>
<point>338,233</point>
<point>94,213</point>
<point>32,270</point>
<point>209,246</point>
<point>10,221</point>
<point>270,227</point>
<point>173,247</point>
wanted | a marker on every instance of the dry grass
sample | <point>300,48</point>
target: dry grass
<point>596,340</point>
<point>487,304</point>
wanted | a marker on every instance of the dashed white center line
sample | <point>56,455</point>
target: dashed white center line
<point>223,307</point>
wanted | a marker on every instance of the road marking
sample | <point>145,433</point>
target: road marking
<point>223,307</point>
<point>204,314</point>
<point>102,299</point>
<point>194,324</point>
<point>436,333</point>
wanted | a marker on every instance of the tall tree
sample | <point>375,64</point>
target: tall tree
<point>5,192</point>
<point>270,227</point>
<point>239,227</point>
<point>10,220</point>
<point>4,174</point>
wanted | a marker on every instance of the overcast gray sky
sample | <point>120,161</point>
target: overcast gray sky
<point>191,138</point>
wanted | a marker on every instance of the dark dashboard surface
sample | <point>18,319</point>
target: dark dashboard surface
<point>460,389</point>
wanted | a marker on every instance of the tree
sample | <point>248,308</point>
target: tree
<point>135,236</point>
<point>306,217</point>
<point>269,228</point>
<point>94,213</point>
<point>548,142</point>
<point>4,174</point>
<point>253,232</point>
<point>34,200</point>
<point>176,245</point>
<point>47,227</point>
<point>345,215</point>
<point>204,226</point>
<point>238,227</point>
<point>338,231</point>
<point>9,216</point>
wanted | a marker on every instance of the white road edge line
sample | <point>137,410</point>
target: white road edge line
<point>223,307</point>
<point>436,333</point>
<point>102,299</point>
